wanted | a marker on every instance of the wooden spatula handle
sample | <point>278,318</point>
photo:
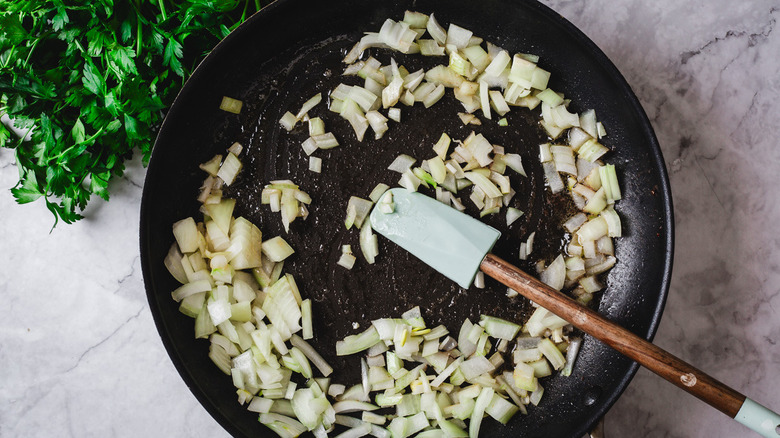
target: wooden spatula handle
<point>630,345</point>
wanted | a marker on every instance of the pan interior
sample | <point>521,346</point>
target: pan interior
<point>280,58</point>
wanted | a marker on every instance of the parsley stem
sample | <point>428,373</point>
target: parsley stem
<point>243,13</point>
<point>32,48</point>
<point>10,56</point>
<point>162,9</point>
<point>138,39</point>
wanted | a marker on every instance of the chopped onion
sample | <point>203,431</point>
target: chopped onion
<point>613,222</point>
<point>437,32</point>
<point>231,105</point>
<point>555,274</point>
<point>368,243</point>
<point>499,328</point>
<point>309,104</point>
<point>571,356</point>
<point>608,178</point>
<point>315,164</point>
<point>592,150</point>
<point>288,121</point>
<point>277,249</point>
<point>484,399</point>
<point>361,208</point>
<point>551,352</point>
<point>402,163</point>
<point>355,343</point>
<point>394,114</point>
<point>229,169</point>
<point>346,260</point>
<point>457,36</point>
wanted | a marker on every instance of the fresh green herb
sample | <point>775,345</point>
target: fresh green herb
<point>90,82</point>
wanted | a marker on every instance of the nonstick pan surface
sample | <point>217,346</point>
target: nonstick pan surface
<point>293,49</point>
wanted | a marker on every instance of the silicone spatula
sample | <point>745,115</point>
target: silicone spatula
<point>458,246</point>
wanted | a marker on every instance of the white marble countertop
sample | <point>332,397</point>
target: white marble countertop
<point>80,355</point>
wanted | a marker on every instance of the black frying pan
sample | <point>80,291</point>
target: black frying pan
<point>291,50</point>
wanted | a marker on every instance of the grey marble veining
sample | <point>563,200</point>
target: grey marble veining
<point>80,355</point>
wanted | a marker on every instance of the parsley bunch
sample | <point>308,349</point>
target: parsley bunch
<point>90,81</point>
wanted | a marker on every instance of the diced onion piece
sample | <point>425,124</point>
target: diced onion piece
<point>571,356</point>
<point>536,395</point>
<point>552,177</point>
<point>325,141</point>
<point>613,222</point>
<point>602,267</point>
<point>609,182</point>
<point>573,223</point>
<point>306,320</point>
<point>600,130</point>
<point>438,170</point>
<point>356,343</point>
<point>309,104</point>
<point>368,243</point>
<point>282,425</point>
<point>550,97</point>
<point>514,162</point>
<point>593,229</point>
<point>437,32</point>
<point>430,48</point>
<point>590,284</point>
<point>277,249</point>
<point>378,191</point>
<point>191,288</point>
<point>442,146</point>
<point>476,366</point>
<point>312,355</point>
<point>498,64</point>
<point>392,93</point>
<point>592,150</point>
<point>499,328</point>
<point>484,399</point>
<point>501,410</point>
<point>552,353</point>
<point>409,181</point>
<point>316,126</point>
<point>315,164</point>
<point>309,146</point>
<point>361,207</point>
<point>484,99</point>
<point>186,234</point>
<point>457,36</point>
<point>563,119</point>
<point>378,123</point>
<point>588,123</point>
<point>484,184</point>
<point>394,114</point>
<point>479,280</point>
<point>288,121</point>
<point>499,104</point>
<point>434,96</point>
<point>229,169</point>
<point>346,260</point>
<point>402,163</point>
<point>459,64</point>
<point>523,251</point>
<point>212,166</point>
<point>231,105</point>
<point>555,274</point>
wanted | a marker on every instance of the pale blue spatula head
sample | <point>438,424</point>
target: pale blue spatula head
<point>449,241</point>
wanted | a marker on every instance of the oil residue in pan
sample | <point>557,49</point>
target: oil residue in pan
<point>345,301</point>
